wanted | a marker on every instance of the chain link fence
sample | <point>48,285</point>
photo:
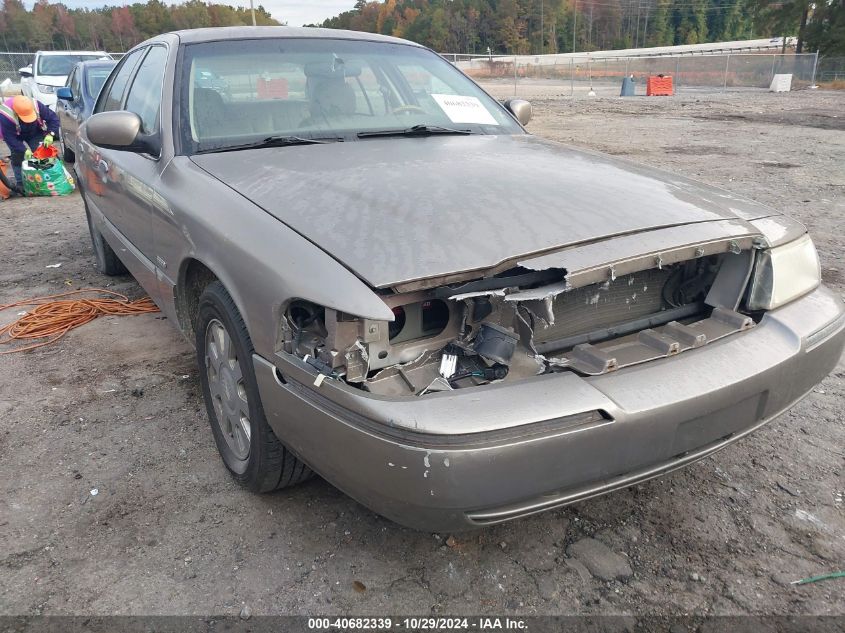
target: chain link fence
<point>579,74</point>
<point>11,63</point>
<point>831,69</point>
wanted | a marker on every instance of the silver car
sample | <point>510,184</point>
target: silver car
<point>390,283</point>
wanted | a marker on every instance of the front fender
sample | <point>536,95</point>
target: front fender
<point>262,262</point>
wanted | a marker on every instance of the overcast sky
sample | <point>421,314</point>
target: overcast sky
<point>309,12</point>
<point>294,13</point>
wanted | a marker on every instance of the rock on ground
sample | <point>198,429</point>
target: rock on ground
<point>602,562</point>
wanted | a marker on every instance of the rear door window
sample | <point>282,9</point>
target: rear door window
<point>95,79</point>
<point>75,84</point>
<point>112,96</point>
<point>145,94</point>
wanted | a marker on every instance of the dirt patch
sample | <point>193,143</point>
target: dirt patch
<point>821,120</point>
<point>779,165</point>
<point>713,150</point>
<point>116,407</point>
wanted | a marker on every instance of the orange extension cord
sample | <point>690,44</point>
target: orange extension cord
<point>52,319</point>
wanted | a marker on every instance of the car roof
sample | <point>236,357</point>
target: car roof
<point>94,63</point>
<point>103,53</point>
<point>192,36</point>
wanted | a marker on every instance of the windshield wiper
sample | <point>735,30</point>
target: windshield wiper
<point>417,130</point>
<point>273,141</point>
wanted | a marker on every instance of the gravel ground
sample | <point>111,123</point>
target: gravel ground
<point>115,407</point>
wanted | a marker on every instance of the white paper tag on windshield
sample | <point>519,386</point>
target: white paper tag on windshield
<point>464,109</point>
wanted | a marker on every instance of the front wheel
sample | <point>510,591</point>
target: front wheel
<point>249,448</point>
<point>106,259</point>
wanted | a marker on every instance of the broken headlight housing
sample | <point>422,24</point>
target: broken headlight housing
<point>783,274</point>
<point>354,347</point>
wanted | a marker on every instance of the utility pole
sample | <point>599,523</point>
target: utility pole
<point>637,32</point>
<point>645,28</point>
<point>252,8</point>
<point>542,32</point>
<point>574,22</point>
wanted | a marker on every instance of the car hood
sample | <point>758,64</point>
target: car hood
<point>52,80</point>
<point>397,210</point>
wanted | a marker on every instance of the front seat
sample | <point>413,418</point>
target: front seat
<point>209,113</point>
<point>331,97</point>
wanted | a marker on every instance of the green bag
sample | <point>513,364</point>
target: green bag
<point>47,177</point>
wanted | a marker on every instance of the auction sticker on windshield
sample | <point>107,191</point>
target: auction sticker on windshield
<point>464,109</point>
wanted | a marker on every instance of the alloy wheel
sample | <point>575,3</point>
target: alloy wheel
<point>227,388</point>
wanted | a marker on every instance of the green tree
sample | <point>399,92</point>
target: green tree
<point>152,18</point>
<point>223,15</point>
<point>825,31</point>
<point>506,26</point>
<point>18,25</point>
<point>660,31</point>
<point>190,15</point>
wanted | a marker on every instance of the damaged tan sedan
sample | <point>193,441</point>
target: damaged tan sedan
<point>390,283</point>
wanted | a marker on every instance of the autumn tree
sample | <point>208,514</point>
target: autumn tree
<point>471,26</point>
<point>17,25</point>
<point>65,24</point>
<point>123,26</point>
<point>43,25</point>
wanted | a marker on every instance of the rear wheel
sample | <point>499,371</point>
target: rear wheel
<point>247,444</point>
<point>106,260</point>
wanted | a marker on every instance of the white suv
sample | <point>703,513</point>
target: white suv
<point>49,71</point>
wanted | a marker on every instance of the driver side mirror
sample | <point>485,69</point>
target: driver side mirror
<point>64,93</point>
<point>121,130</point>
<point>26,71</point>
<point>520,109</point>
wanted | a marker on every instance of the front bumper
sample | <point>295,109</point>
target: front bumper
<point>463,459</point>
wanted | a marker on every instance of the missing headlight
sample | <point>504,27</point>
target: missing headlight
<point>356,347</point>
<point>306,328</point>
<point>422,319</point>
<point>395,328</point>
<point>301,314</point>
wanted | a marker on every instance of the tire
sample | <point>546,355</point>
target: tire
<point>250,450</point>
<point>105,259</point>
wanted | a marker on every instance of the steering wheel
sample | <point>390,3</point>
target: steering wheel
<point>408,109</point>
